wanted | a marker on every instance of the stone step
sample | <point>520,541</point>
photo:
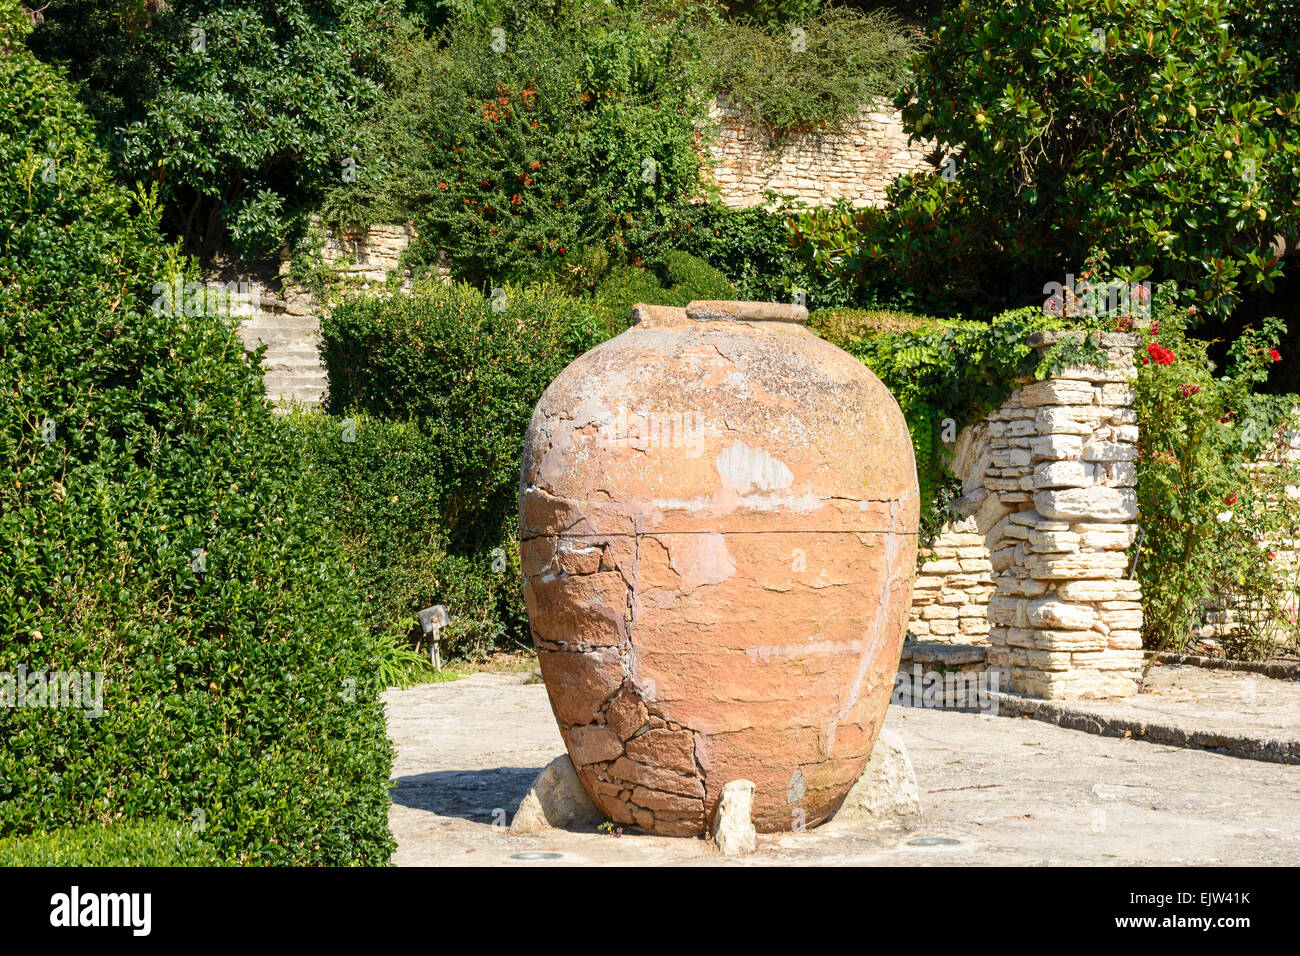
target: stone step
<point>274,384</point>
<point>299,358</point>
<point>284,321</point>
<point>312,398</point>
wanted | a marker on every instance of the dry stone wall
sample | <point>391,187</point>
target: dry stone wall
<point>286,317</point>
<point>857,165</point>
<point>1049,481</point>
<point>952,588</point>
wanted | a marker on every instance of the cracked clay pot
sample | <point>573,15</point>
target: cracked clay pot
<point>718,516</point>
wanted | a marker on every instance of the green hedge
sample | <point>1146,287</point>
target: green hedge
<point>157,528</point>
<point>676,278</point>
<point>380,479</point>
<point>133,843</point>
<point>470,368</point>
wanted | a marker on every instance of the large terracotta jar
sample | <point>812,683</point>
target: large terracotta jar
<point>718,526</point>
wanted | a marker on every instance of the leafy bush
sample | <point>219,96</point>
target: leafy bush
<point>1162,134</point>
<point>469,368</point>
<point>694,278</point>
<point>157,530</point>
<point>676,279</point>
<point>128,843</point>
<point>1208,516</point>
<point>814,77</point>
<point>381,480</point>
<point>239,111</point>
<point>753,248</point>
<point>774,12</point>
<point>517,148</point>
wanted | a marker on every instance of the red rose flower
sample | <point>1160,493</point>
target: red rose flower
<point>1274,355</point>
<point>1159,354</point>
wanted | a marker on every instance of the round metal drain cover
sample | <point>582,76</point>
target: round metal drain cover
<point>933,841</point>
<point>536,856</point>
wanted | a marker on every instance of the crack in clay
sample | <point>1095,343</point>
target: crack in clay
<point>657,534</point>
<point>873,646</point>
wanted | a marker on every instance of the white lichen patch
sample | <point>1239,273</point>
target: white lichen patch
<point>744,469</point>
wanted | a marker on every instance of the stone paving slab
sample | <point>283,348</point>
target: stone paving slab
<point>1240,713</point>
<point>1011,791</point>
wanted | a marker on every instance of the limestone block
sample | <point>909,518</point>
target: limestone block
<point>1118,474</point>
<point>733,825</point>
<point>1122,620</point>
<point>1069,419</point>
<point>1057,391</point>
<point>1008,611</point>
<point>1124,640</point>
<point>1117,394</point>
<point>1020,637</point>
<point>1062,474</point>
<point>1027,587</point>
<point>939,611</point>
<point>1057,447</point>
<point>990,513</point>
<point>1109,451</point>
<point>1048,660</point>
<point>556,799</point>
<point>1104,537</point>
<point>1010,458</point>
<point>886,794</point>
<point>1096,503</point>
<point>1050,613</point>
<point>940,567</point>
<point>1043,541</point>
<point>1116,590</point>
<point>1062,640</point>
<point>1096,564</point>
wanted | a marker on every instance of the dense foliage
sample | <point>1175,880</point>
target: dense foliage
<point>815,76</point>
<point>1210,515</point>
<point>240,112</point>
<point>469,367</point>
<point>676,279</point>
<point>155,530</point>
<point>753,247</point>
<point>1163,134</point>
<point>144,843</point>
<point>382,481</point>
<point>522,143</point>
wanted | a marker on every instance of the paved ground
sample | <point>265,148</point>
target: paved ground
<point>1009,790</point>
<point>1244,714</point>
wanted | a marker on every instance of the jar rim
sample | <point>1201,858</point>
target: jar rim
<point>729,310</point>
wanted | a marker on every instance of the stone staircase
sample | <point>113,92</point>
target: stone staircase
<point>288,322</point>
<point>290,329</point>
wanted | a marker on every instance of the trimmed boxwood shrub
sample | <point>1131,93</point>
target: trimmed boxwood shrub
<point>157,528</point>
<point>677,278</point>
<point>469,368</point>
<point>132,843</point>
<point>380,479</point>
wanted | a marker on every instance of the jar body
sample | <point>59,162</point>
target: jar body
<point>718,517</point>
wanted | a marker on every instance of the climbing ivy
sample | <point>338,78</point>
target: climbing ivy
<point>945,375</point>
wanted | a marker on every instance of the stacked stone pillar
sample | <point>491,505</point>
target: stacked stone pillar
<point>1055,498</point>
